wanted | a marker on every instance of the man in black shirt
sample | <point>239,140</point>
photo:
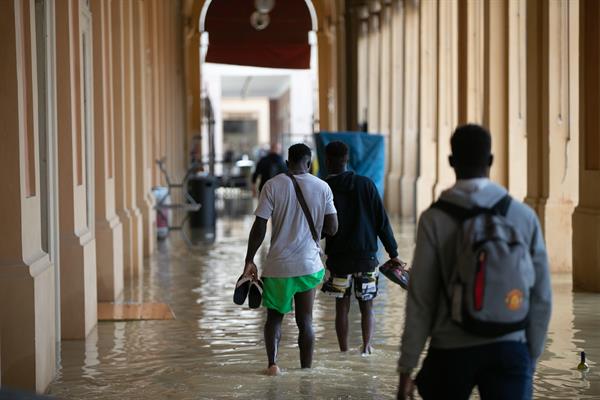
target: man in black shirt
<point>352,252</point>
<point>269,166</point>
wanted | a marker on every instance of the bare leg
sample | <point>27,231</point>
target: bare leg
<point>272,337</point>
<point>306,336</point>
<point>342,307</point>
<point>367,320</point>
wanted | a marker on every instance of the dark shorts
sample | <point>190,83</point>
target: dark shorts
<point>500,371</point>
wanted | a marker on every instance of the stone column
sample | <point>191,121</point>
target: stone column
<point>410,145</point>
<point>120,131</point>
<point>385,81</point>
<point>374,76</point>
<point>393,190</point>
<point>327,78</point>
<point>586,219</point>
<point>77,243</point>
<point>495,107</point>
<point>109,231</point>
<point>156,11</point>
<point>193,86</point>
<point>158,111</point>
<point>363,65</point>
<point>470,61</point>
<point>169,132</point>
<point>27,289</point>
<point>351,60</point>
<point>179,91</point>
<point>447,93</point>
<point>428,106</point>
<point>385,67</point>
<point>142,119</point>
<point>517,99</point>
<point>131,111</point>
<point>552,123</point>
<point>342,66</point>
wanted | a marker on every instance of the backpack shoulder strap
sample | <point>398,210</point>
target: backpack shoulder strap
<point>455,211</point>
<point>462,214</point>
<point>304,206</point>
<point>501,207</point>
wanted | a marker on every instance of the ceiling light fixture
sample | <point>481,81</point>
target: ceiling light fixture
<point>259,21</point>
<point>260,18</point>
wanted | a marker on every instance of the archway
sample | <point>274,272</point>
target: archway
<point>277,37</point>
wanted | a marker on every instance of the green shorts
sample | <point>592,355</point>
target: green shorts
<point>278,293</point>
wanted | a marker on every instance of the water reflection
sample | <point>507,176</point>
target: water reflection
<point>214,349</point>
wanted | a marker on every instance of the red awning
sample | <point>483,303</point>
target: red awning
<point>282,44</point>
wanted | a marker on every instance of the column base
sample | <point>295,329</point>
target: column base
<point>128,243</point>
<point>425,187</point>
<point>28,332</point>
<point>78,288</point>
<point>149,225</point>
<point>556,217</point>
<point>408,197</point>
<point>138,243</point>
<point>586,249</point>
<point>109,260</point>
<point>393,194</point>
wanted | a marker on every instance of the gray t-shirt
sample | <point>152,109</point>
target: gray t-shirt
<point>293,252</point>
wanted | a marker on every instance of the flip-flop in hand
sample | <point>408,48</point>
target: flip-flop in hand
<point>395,271</point>
<point>250,270</point>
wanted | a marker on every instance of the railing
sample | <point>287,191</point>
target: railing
<point>188,205</point>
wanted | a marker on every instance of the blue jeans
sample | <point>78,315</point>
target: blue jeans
<point>500,370</point>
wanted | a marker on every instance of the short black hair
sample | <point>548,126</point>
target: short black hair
<point>298,152</point>
<point>471,146</point>
<point>336,151</point>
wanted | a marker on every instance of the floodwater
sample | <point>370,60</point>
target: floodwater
<point>214,349</point>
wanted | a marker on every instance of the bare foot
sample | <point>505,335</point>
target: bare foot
<point>367,350</point>
<point>273,370</point>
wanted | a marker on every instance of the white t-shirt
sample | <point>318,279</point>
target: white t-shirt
<point>293,251</point>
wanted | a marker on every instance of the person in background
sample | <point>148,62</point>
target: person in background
<point>268,166</point>
<point>458,360</point>
<point>352,252</point>
<point>293,268</point>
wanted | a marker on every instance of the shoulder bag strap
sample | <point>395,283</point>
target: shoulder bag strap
<point>304,206</point>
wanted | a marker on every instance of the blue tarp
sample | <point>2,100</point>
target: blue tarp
<point>367,154</point>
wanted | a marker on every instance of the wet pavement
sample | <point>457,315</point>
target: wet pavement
<point>214,349</point>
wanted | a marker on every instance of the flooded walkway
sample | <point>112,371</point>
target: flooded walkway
<point>214,349</point>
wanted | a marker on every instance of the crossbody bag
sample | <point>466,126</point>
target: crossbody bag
<point>304,206</point>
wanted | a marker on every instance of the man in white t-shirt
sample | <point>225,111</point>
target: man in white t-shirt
<point>293,268</point>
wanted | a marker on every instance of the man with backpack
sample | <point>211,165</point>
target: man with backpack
<point>480,287</point>
<point>352,252</point>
